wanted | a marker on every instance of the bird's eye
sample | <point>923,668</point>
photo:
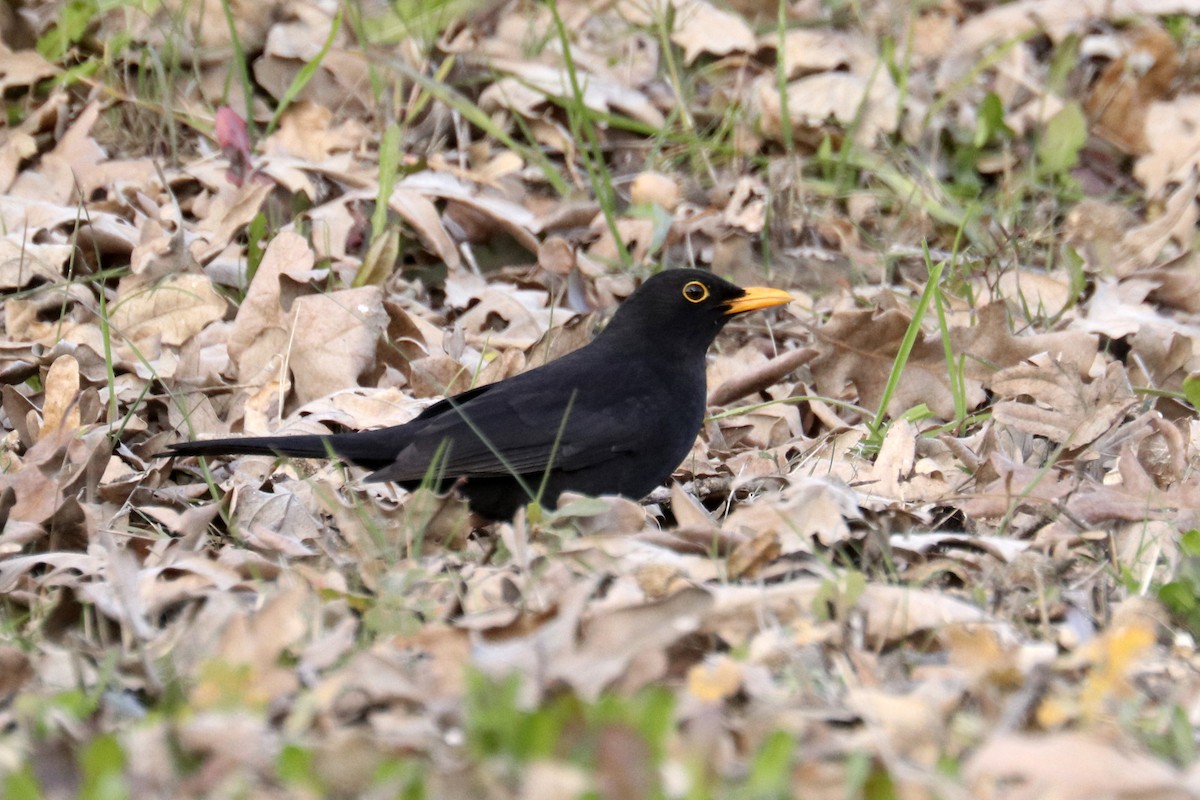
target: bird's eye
<point>695,292</point>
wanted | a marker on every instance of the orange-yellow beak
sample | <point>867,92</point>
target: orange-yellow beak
<point>755,298</point>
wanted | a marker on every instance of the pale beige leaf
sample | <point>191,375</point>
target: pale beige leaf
<point>892,613</point>
<point>871,103</point>
<point>1069,766</point>
<point>61,410</point>
<point>1174,145</point>
<point>259,335</point>
<point>701,27</point>
<point>18,147</point>
<point>1060,406</point>
<point>598,93</point>
<point>175,309</point>
<point>228,213</point>
<point>422,215</point>
<point>21,263</point>
<point>808,50</point>
<point>23,68</point>
<point>334,339</point>
<point>657,188</point>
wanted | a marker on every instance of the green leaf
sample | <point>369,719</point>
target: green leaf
<point>1178,596</point>
<point>771,772</point>
<point>990,124</point>
<point>1064,137</point>
<point>256,246</point>
<point>21,785</point>
<point>1191,390</point>
<point>73,22</point>
<point>389,167</point>
<point>295,766</point>
<point>102,763</point>
<point>917,413</point>
<point>1190,542</point>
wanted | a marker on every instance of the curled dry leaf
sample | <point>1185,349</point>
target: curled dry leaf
<point>808,50</point>
<point>1046,398</point>
<point>23,68</point>
<point>1117,102</point>
<point>23,263</point>
<point>808,509</point>
<point>531,83</point>
<point>701,27</point>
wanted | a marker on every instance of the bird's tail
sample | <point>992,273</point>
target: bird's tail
<point>362,448</point>
<point>295,446</point>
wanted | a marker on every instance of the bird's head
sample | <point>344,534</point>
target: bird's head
<point>686,308</point>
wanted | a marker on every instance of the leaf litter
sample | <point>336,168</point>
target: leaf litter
<point>998,578</point>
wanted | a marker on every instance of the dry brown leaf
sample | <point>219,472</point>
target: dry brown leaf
<point>259,336</point>
<point>527,91</point>
<point>417,210</point>
<point>867,104</point>
<point>859,347</point>
<point>1056,19</point>
<point>1119,309</point>
<point>65,170</point>
<point>892,613</point>
<point>914,723</point>
<point>1137,498</point>
<point>1044,295</point>
<point>513,218</point>
<point>306,132</point>
<point>276,522</point>
<point>808,509</point>
<point>1060,406</point>
<point>1143,245</point>
<point>174,309</point>
<point>715,679</point>
<point>1117,103</point>
<point>610,641</point>
<point>226,214</point>
<point>1015,485</point>
<point>334,339</point>
<point>807,50</point>
<point>60,412</point>
<point>23,68</point>
<point>14,150</point>
<point>749,558</point>
<point>999,547</point>
<point>22,263</point>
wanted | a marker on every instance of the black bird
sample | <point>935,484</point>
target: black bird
<point>614,417</point>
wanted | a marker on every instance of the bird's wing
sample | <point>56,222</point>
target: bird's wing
<point>512,431</point>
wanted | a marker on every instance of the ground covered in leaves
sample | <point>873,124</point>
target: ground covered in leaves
<point>936,540</point>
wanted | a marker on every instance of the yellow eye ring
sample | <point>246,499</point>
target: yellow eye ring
<point>695,292</point>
